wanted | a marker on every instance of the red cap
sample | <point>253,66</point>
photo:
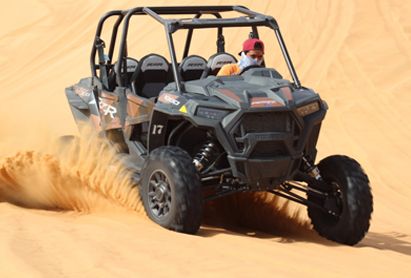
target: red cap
<point>253,44</point>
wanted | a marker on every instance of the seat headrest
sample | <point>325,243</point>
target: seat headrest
<point>131,65</point>
<point>193,62</point>
<point>218,60</point>
<point>154,62</point>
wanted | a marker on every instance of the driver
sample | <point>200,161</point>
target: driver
<point>251,55</point>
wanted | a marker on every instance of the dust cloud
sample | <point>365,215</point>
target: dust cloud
<point>81,174</point>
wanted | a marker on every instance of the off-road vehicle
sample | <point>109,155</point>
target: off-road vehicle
<point>192,136</point>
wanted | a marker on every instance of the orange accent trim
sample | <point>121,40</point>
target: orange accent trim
<point>287,93</point>
<point>264,102</point>
<point>96,121</point>
<point>108,95</point>
<point>230,94</point>
<point>135,99</point>
<point>113,123</point>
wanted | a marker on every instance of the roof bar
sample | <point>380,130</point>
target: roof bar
<point>191,10</point>
<point>246,11</point>
<point>223,23</point>
<point>154,15</point>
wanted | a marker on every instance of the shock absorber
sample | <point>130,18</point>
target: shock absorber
<point>206,155</point>
<point>312,170</point>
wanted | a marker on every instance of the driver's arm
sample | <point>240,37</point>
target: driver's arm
<point>229,69</point>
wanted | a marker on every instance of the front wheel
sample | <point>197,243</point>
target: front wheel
<point>348,197</point>
<point>170,190</point>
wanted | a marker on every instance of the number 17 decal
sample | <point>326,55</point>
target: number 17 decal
<point>157,129</point>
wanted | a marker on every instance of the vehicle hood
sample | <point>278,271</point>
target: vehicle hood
<point>258,89</point>
<point>238,92</point>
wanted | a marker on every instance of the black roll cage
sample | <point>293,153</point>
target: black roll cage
<point>248,18</point>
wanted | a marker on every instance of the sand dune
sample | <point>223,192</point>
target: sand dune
<point>64,215</point>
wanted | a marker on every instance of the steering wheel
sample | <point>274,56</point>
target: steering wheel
<point>248,68</point>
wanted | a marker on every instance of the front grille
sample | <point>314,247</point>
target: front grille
<point>269,149</point>
<point>264,122</point>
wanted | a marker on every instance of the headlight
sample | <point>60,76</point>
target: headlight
<point>212,114</point>
<point>308,109</point>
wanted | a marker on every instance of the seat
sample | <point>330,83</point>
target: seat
<point>131,66</point>
<point>192,67</point>
<point>216,62</point>
<point>151,76</point>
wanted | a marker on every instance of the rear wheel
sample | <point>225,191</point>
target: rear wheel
<point>170,190</point>
<point>349,201</point>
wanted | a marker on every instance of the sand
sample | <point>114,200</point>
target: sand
<point>65,215</point>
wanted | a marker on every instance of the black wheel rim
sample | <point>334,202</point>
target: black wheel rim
<point>334,203</point>
<point>159,194</point>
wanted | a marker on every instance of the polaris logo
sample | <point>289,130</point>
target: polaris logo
<point>154,64</point>
<point>195,65</point>
<point>223,62</point>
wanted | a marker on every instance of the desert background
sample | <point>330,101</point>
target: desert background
<point>66,215</point>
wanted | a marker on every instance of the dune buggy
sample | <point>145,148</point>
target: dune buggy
<point>192,136</point>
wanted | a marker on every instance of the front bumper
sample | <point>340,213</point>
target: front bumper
<point>261,173</point>
<point>269,151</point>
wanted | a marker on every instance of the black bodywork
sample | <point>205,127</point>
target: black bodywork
<point>251,132</point>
